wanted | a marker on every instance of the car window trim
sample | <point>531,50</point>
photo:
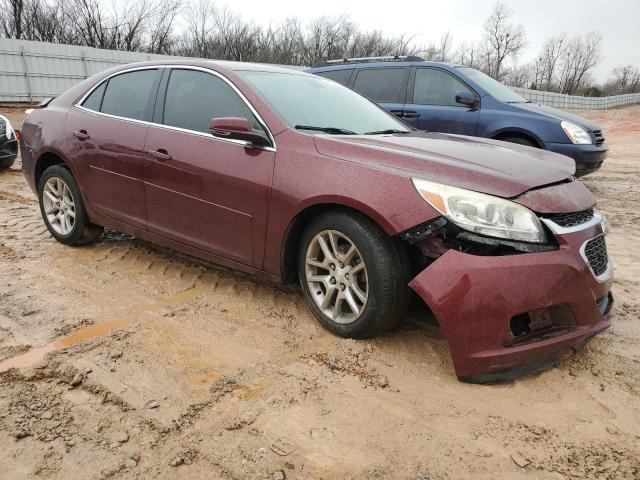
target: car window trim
<point>412,82</point>
<point>166,71</point>
<point>402,93</point>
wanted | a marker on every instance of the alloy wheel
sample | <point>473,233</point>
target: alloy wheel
<point>336,276</point>
<point>59,206</point>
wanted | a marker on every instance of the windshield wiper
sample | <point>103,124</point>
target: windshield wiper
<point>329,130</point>
<point>387,131</point>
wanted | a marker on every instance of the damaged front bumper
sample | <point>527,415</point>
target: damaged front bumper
<point>504,316</point>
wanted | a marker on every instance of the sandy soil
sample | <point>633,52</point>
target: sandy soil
<point>150,365</point>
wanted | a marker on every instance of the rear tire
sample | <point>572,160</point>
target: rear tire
<point>62,208</point>
<point>353,274</point>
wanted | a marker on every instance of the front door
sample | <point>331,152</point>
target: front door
<point>431,103</point>
<point>107,133</point>
<point>204,191</point>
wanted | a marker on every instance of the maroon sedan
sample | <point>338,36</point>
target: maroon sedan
<point>295,177</point>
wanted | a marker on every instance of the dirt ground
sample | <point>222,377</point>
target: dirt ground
<point>145,364</point>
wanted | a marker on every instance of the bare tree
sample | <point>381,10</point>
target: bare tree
<point>582,53</point>
<point>553,51</point>
<point>502,40</point>
<point>626,79</point>
<point>440,52</point>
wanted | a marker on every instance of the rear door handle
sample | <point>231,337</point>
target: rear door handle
<point>410,114</point>
<point>161,154</point>
<point>397,113</point>
<point>82,135</point>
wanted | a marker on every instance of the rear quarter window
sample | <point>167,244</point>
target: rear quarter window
<point>341,76</point>
<point>381,84</point>
<point>94,101</point>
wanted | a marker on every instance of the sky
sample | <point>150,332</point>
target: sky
<point>427,20</point>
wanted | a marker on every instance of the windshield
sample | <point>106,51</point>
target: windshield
<point>492,87</point>
<point>308,101</point>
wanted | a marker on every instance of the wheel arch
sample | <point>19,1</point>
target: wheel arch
<point>511,132</point>
<point>46,160</point>
<point>293,234</point>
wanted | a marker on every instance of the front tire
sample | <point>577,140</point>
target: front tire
<point>520,141</point>
<point>353,274</point>
<point>62,208</point>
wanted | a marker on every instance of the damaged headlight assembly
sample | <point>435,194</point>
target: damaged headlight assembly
<point>482,214</point>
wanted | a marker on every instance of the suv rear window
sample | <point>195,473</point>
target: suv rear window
<point>127,94</point>
<point>381,84</point>
<point>341,76</point>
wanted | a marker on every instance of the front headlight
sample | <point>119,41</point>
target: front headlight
<point>483,214</point>
<point>576,133</point>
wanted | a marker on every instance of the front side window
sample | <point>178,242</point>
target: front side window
<point>193,98</point>
<point>128,94</point>
<point>436,87</point>
<point>492,86</point>
<point>309,100</point>
<point>381,84</point>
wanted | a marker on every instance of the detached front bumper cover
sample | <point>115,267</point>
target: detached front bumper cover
<point>476,299</point>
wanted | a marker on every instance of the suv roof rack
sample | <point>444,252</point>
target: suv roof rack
<point>387,58</point>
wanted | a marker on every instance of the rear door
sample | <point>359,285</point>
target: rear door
<point>431,103</point>
<point>387,86</point>
<point>107,133</point>
<point>201,190</point>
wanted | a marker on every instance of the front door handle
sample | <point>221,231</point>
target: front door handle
<point>397,113</point>
<point>81,134</point>
<point>410,114</point>
<point>161,154</point>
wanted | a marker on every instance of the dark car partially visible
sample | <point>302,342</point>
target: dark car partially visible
<point>8,143</point>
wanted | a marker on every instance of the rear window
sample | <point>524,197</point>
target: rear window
<point>341,76</point>
<point>381,84</point>
<point>127,95</point>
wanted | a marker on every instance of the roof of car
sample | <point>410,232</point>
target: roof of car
<point>220,65</point>
<point>385,63</point>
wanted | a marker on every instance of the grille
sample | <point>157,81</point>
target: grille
<point>599,137</point>
<point>3,127</point>
<point>572,219</point>
<point>596,252</point>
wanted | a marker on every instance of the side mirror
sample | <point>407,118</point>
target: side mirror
<point>467,98</point>
<point>238,128</point>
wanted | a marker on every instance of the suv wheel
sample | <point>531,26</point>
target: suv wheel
<point>354,275</point>
<point>520,141</point>
<point>62,208</point>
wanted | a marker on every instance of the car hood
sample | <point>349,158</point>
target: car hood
<point>556,114</point>
<point>489,166</point>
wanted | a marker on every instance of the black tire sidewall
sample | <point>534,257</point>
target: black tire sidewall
<point>81,223</point>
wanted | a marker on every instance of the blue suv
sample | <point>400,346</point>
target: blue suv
<point>442,97</point>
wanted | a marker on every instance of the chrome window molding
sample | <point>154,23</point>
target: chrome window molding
<point>605,276</point>
<point>560,230</point>
<point>183,130</point>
